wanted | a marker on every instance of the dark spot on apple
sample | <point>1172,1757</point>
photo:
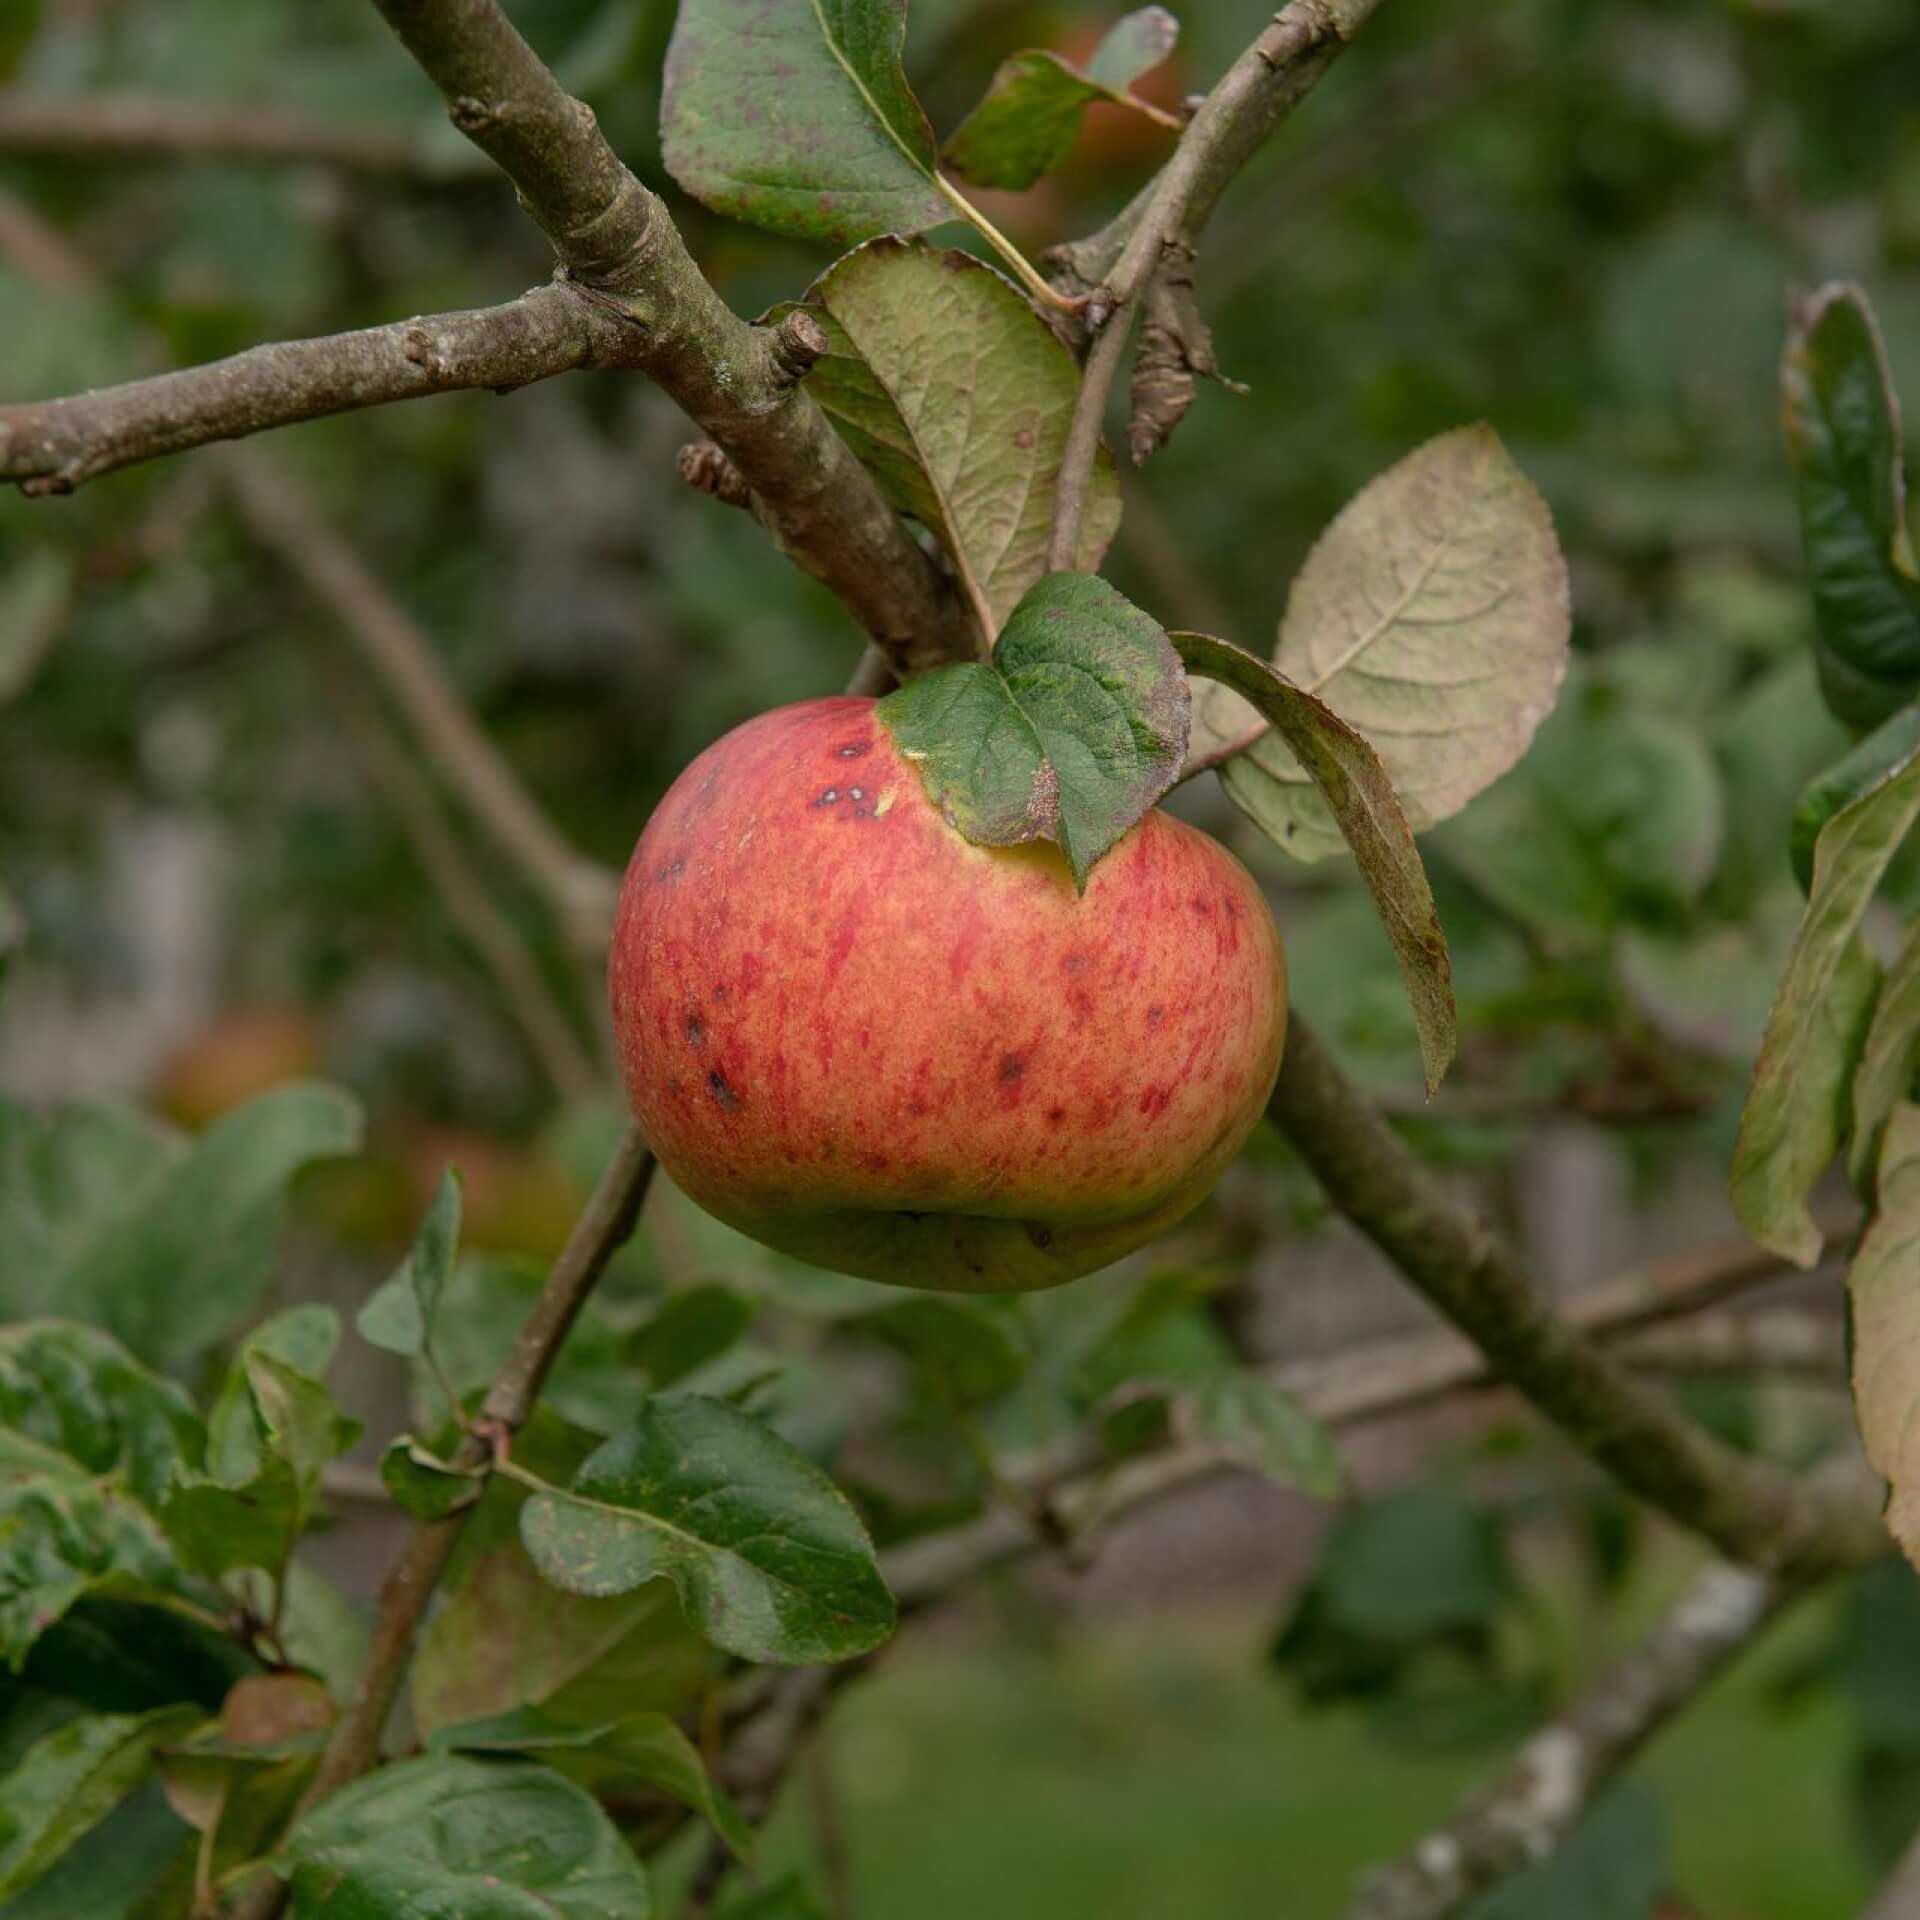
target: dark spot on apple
<point>722,1093</point>
<point>1056,1114</point>
<point>665,876</point>
<point>1076,962</point>
<point>1155,1100</point>
<point>719,993</point>
<point>1155,1015</point>
<point>696,1033</point>
<point>916,1108</point>
<point>1042,1237</point>
<point>1012,1067</point>
<point>853,749</point>
<point>1202,906</point>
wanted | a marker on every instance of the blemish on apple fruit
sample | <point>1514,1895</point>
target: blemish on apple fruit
<point>696,1033</point>
<point>1155,1100</point>
<point>1042,1237</point>
<point>1012,1067</point>
<point>828,798</point>
<point>1055,1115</point>
<point>1156,1015</point>
<point>853,749</point>
<point>723,1094</point>
<point>671,872</point>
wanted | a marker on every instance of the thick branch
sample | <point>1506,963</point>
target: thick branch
<point>1251,99</point>
<point>616,238</point>
<point>121,122</point>
<point>1558,1772</point>
<point>53,446</point>
<point>1751,1511</point>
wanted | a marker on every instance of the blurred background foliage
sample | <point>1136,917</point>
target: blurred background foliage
<point>1578,219</point>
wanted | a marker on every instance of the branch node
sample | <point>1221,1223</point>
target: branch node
<point>471,114</point>
<point>707,470</point>
<point>798,344</point>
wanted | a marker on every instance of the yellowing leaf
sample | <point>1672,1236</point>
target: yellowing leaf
<point>1886,1329</point>
<point>1431,616</point>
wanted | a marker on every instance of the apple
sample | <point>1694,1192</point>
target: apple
<point>862,1040</point>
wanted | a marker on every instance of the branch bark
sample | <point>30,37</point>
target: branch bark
<point>616,239</point>
<point>54,446</point>
<point>1560,1769</point>
<point>1753,1512</point>
<point>1254,95</point>
<point>110,123</point>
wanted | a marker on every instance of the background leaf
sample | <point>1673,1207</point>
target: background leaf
<point>799,117</point>
<point>769,1559</point>
<point>1432,616</point>
<point>1799,1104</point>
<point>1843,437</point>
<point>1880,1289</point>
<point>647,1748</point>
<point>446,1835</point>
<point>1074,731</point>
<point>687,1330</point>
<point>957,397</point>
<point>69,1781</point>
<point>1360,798</point>
<point>1026,123</point>
<point>965,1352</point>
<point>398,1316</point>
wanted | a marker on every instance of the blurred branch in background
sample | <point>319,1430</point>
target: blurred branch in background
<point>94,123</point>
<point>1560,1769</point>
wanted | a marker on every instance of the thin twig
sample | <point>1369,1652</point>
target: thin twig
<point>604,1225</point>
<point>1560,1769</point>
<point>1752,1511</point>
<point>110,123</point>
<point>473,909</point>
<point>278,512</point>
<point>1251,99</point>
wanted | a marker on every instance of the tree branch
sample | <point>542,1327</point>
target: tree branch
<point>1558,1772</point>
<point>279,514</point>
<point>615,238</point>
<point>107,123</point>
<point>53,446</point>
<point>1252,98</point>
<point>604,1226</point>
<point>1753,1512</point>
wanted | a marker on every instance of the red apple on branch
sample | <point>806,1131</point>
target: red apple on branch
<point>861,1039</point>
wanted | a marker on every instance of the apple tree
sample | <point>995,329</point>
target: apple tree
<point>919,983</point>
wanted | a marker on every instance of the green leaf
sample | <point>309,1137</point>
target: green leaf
<point>63,1537</point>
<point>322,1631</point>
<point>1799,1104</point>
<point>647,1748</point>
<point>69,1782</point>
<point>508,1639</point>
<point>965,1352</point>
<point>957,397</point>
<point>105,1214</point>
<point>1884,751</point>
<point>1432,616</point>
<point>1612,1866</point>
<point>79,1394</point>
<point>1885,1325</point>
<point>1362,802</point>
<point>63,1175</point>
<point>687,1330</point>
<point>399,1316</point>
<point>1265,1428</point>
<point>769,1558</point>
<point>1074,731</point>
<point>1843,437</point>
<point>444,1838</point>
<point>798,117</point>
<point>273,1430</point>
<point>427,1487</point>
<point>136,1865</point>
<point>1616,818</point>
<point>1889,1060</point>
<point>1030,116</point>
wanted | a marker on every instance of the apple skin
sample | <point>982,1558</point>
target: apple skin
<point>858,1038</point>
